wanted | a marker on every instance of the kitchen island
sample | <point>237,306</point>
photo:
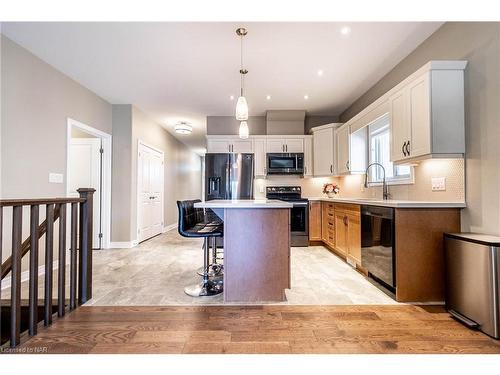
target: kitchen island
<point>256,248</point>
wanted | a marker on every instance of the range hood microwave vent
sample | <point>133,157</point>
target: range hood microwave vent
<point>285,122</point>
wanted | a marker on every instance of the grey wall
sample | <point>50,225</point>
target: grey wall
<point>312,121</point>
<point>121,188</point>
<point>36,102</point>
<point>479,44</point>
<point>228,125</point>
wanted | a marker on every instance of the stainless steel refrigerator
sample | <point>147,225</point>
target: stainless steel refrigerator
<point>229,176</point>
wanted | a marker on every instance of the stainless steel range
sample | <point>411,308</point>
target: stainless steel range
<point>299,221</point>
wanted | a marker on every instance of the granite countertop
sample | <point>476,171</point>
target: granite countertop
<point>392,202</point>
<point>243,203</point>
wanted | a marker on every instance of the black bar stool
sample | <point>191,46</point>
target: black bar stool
<point>192,224</point>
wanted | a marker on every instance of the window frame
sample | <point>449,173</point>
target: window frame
<point>383,124</point>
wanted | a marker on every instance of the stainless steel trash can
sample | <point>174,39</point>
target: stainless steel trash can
<point>472,280</point>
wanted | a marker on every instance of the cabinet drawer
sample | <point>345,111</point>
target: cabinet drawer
<point>348,208</point>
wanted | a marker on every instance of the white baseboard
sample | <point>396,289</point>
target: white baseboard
<point>26,274</point>
<point>122,245</point>
<point>169,227</point>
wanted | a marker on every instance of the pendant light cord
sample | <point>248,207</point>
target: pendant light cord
<point>241,65</point>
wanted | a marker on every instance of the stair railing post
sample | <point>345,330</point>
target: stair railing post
<point>85,242</point>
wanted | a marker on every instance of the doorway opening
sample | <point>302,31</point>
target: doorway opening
<point>89,165</point>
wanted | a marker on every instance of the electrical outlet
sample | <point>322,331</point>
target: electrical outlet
<point>56,178</point>
<point>438,183</point>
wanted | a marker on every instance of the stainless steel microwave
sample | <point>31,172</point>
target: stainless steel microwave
<point>285,164</point>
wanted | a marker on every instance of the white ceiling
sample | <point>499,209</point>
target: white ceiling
<point>187,71</point>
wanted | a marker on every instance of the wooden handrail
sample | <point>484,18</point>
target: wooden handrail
<point>31,202</point>
<point>25,247</point>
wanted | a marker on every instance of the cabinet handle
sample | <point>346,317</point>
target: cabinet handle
<point>345,220</point>
<point>408,148</point>
<point>347,165</point>
<point>331,168</point>
<point>403,149</point>
<point>286,148</point>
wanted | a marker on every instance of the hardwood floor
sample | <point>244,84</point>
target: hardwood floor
<point>261,329</point>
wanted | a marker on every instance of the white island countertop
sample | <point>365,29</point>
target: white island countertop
<point>392,202</point>
<point>244,203</point>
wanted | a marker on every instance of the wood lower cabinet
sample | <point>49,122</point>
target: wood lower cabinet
<point>348,231</point>
<point>315,221</point>
<point>328,223</point>
<point>341,243</point>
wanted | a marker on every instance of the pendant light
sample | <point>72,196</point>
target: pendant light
<point>244,130</point>
<point>241,105</point>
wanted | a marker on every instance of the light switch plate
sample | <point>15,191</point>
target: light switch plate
<point>56,178</point>
<point>438,183</point>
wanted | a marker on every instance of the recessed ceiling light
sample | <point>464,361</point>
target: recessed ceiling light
<point>183,128</point>
<point>231,97</point>
<point>346,30</point>
<point>320,72</point>
<point>306,97</point>
<point>268,97</point>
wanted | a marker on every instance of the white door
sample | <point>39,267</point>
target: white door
<point>242,146</point>
<point>323,152</point>
<point>342,137</point>
<point>85,172</point>
<point>294,145</point>
<point>275,145</point>
<point>150,192</point>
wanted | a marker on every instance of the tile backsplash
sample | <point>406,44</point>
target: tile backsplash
<point>453,170</point>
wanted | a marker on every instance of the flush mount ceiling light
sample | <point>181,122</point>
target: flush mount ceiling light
<point>241,105</point>
<point>183,128</point>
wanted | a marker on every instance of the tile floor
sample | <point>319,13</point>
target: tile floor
<point>156,272</point>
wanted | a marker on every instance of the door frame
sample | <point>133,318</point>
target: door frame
<point>138,193</point>
<point>106,144</point>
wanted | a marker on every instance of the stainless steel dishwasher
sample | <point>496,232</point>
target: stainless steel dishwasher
<point>472,280</point>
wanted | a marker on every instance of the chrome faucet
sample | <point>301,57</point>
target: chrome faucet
<point>385,190</point>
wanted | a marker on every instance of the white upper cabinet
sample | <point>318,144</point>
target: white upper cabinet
<point>294,145</point>
<point>242,145</point>
<point>400,127</point>
<point>215,146</point>
<point>308,156</point>
<point>285,145</point>
<point>259,147</point>
<point>275,145</point>
<point>226,144</point>
<point>427,113</point>
<point>342,143</point>
<point>323,150</point>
